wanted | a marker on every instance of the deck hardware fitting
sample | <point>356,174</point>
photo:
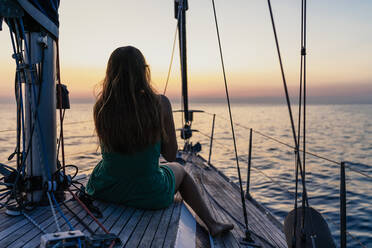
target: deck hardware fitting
<point>62,239</point>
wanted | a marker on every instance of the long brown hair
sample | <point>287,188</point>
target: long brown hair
<point>127,112</point>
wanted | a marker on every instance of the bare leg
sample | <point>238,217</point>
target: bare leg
<point>190,193</point>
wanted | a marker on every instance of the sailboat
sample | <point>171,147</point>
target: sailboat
<point>45,206</point>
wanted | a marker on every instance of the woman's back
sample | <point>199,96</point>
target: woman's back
<point>129,121</point>
<point>133,179</point>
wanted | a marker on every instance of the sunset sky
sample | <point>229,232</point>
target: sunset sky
<point>339,47</point>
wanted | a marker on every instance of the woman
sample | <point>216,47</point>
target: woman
<point>134,126</point>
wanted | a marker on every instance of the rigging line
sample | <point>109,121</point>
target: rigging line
<point>303,54</point>
<point>17,50</point>
<point>53,212</point>
<point>301,98</point>
<point>171,60</point>
<point>61,213</point>
<point>76,122</point>
<point>27,52</point>
<point>274,182</point>
<point>67,123</point>
<point>64,217</point>
<point>89,151</point>
<point>18,86</point>
<point>91,215</point>
<point>61,116</point>
<point>287,95</point>
<point>230,115</point>
<point>18,144</point>
<point>86,226</point>
<point>359,171</point>
<point>34,222</point>
<point>214,139</point>
<point>358,164</point>
<point>290,193</point>
<point>347,232</point>
<point>60,135</point>
<point>7,130</point>
<point>298,130</point>
<point>308,153</point>
<point>16,91</point>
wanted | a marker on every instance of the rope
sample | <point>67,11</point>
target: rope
<point>64,217</point>
<point>61,213</point>
<point>34,222</point>
<point>78,218</point>
<point>171,60</point>
<point>91,215</point>
<point>53,212</point>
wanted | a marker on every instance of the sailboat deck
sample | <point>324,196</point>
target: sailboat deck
<point>160,228</point>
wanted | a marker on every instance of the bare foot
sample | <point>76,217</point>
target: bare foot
<point>219,228</point>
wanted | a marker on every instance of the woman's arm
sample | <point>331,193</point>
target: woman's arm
<point>169,144</point>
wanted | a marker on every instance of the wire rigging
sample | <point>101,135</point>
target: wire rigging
<point>231,119</point>
<point>302,99</point>
<point>285,87</point>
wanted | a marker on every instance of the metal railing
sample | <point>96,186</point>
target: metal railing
<point>343,164</point>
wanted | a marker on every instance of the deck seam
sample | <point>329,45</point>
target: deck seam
<point>144,231</point>
<point>157,227</point>
<point>174,206</point>
<point>130,235</point>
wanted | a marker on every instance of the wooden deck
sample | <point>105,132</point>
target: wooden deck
<point>162,228</point>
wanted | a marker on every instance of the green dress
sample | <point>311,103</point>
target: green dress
<point>134,180</point>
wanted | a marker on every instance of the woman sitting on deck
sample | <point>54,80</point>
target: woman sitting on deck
<point>134,126</point>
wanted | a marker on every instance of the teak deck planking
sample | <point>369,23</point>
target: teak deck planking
<point>156,228</point>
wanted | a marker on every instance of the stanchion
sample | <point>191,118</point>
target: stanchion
<point>247,194</point>
<point>211,143</point>
<point>343,205</point>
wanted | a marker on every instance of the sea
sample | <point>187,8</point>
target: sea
<point>334,133</point>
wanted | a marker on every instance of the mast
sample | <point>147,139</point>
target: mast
<point>33,27</point>
<point>41,111</point>
<point>180,7</point>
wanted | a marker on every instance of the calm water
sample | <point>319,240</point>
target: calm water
<point>338,132</point>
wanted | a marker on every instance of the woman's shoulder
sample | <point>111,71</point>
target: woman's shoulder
<point>165,103</point>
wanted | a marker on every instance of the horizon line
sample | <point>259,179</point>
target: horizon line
<point>313,100</point>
